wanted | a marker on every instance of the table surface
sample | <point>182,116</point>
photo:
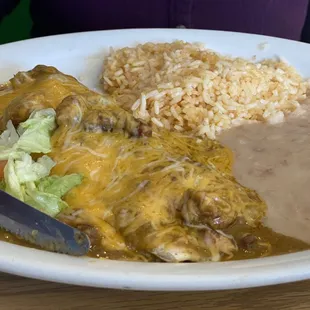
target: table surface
<point>18,293</point>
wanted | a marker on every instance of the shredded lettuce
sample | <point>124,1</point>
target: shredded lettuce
<point>45,202</point>
<point>59,186</point>
<point>29,180</point>
<point>28,170</point>
<point>31,136</point>
<point>9,137</point>
<point>12,184</point>
<point>49,190</point>
<point>35,133</point>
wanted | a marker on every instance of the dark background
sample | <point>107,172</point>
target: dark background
<point>17,25</point>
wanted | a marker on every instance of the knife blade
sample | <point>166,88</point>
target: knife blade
<point>40,229</point>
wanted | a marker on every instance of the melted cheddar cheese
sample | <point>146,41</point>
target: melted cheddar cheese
<point>166,197</point>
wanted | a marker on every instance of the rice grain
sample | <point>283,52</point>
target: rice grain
<point>186,87</point>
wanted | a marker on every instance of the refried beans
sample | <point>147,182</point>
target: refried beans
<point>274,160</point>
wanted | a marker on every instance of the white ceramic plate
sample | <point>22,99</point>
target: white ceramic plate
<point>81,55</point>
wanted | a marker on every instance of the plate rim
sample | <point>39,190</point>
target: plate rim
<point>130,275</point>
<point>164,276</point>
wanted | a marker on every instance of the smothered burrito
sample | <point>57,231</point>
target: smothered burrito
<point>140,193</point>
